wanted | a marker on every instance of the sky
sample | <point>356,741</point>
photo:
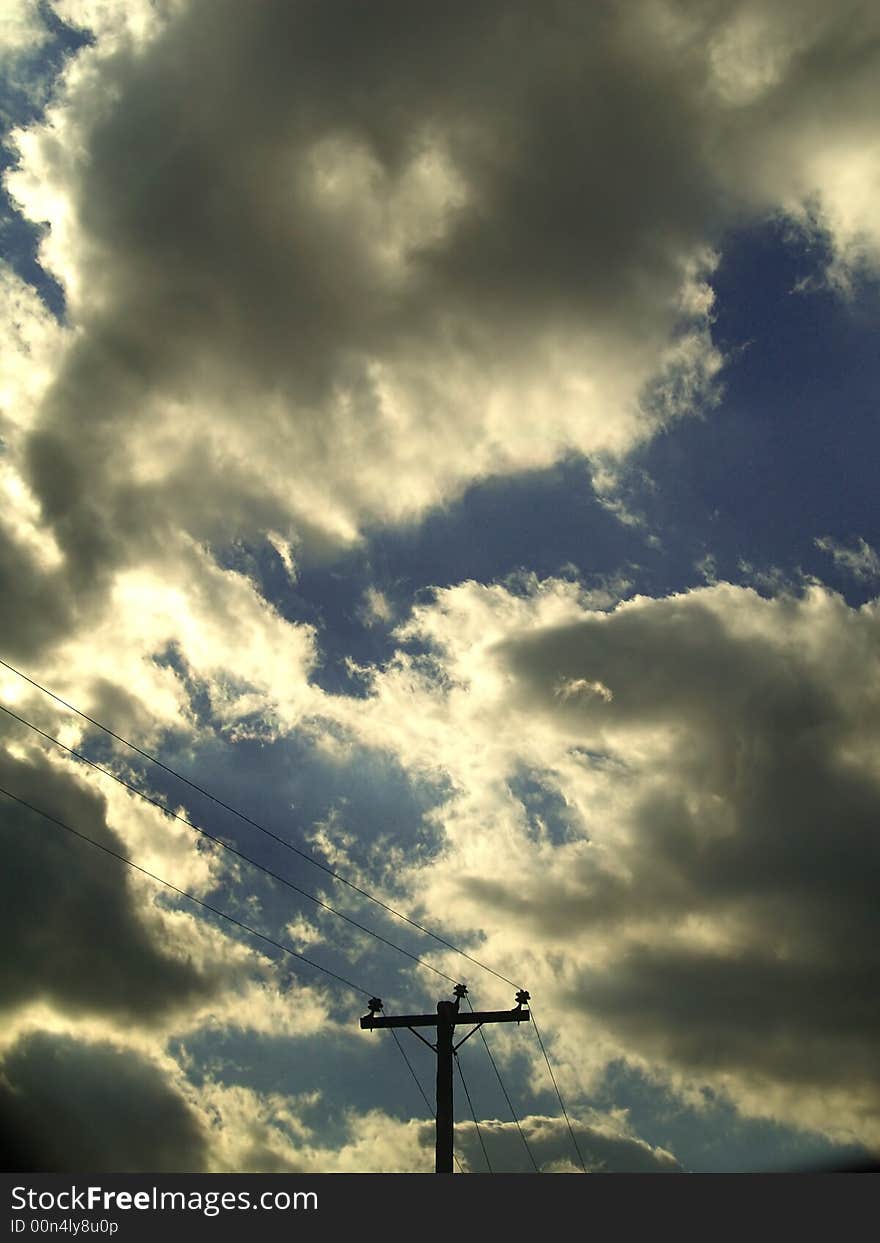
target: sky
<point>448,436</point>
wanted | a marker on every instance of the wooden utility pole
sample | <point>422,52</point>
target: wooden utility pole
<point>445,1021</point>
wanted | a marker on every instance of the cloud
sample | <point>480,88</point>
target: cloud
<point>79,933</point>
<point>71,1106</point>
<point>80,1106</point>
<point>104,983</point>
<point>604,1142</point>
<point>22,27</point>
<point>394,276</point>
<point>862,561</point>
<point>95,1106</point>
<point>323,270</point>
<point>426,260</point>
<point>93,946</point>
<point>375,608</point>
<point>704,907</point>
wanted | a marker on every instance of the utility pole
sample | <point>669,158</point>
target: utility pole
<point>445,1021</point>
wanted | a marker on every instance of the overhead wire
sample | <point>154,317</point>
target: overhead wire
<point>473,1113</point>
<point>282,880</point>
<point>522,1134</point>
<point>224,915</point>
<point>256,825</point>
<point>559,1097</point>
<point>416,1079</point>
<point>212,837</point>
<point>61,824</point>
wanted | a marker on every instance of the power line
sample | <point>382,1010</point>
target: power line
<point>225,845</point>
<point>559,1095</point>
<point>473,1113</point>
<point>302,854</point>
<point>259,827</point>
<point>507,1097</point>
<point>356,988</point>
<point>184,894</point>
<point>411,1070</point>
<point>416,1079</point>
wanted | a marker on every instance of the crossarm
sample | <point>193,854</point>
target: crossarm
<point>518,1015</point>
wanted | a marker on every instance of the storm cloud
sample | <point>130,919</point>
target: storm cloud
<point>324,268</point>
<point>67,1105</point>
<point>78,935</point>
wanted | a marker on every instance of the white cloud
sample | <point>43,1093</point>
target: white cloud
<point>719,802</point>
<point>22,28</point>
<point>862,561</point>
<point>376,607</point>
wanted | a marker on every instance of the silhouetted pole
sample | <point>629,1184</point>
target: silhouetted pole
<point>446,1012</point>
<point>445,1020</point>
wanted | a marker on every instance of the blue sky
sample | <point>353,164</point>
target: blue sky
<point>470,478</point>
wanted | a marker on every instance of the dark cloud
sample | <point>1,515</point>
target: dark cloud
<point>77,934</point>
<point>792,1022</point>
<point>312,248</point>
<point>36,607</point>
<point>276,199</point>
<point>68,1105</point>
<point>745,729</point>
